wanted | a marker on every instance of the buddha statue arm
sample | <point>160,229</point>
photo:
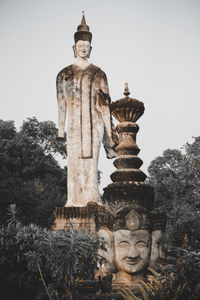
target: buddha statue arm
<point>61,105</point>
<point>108,138</point>
<point>105,90</point>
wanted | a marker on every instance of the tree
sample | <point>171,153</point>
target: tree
<point>29,174</point>
<point>44,134</point>
<point>175,177</point>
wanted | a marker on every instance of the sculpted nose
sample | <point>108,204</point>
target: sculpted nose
<point>133,252</point>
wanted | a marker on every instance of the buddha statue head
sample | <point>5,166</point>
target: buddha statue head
<point>104,224</point>
<point>132,243</point>
<point>107,251</point>
<point>158,221</point>
<point>82,38</point>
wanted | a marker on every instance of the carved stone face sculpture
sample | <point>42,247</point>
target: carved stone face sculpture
<point>82,49</point>
<point>108,266</point>
<point>156,248</point>
<point>131,250</point>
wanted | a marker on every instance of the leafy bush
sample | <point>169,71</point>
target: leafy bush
<point>37,263</point>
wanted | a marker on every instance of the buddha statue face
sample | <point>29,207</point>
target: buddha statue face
<point>156,247</point>
<point>82,49</point>
<point>131,250</point>
<point>107,253</point>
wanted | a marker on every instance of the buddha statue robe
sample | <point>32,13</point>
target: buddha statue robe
<point>84,96</point>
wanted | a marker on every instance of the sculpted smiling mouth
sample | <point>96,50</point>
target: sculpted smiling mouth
<point>132,261</point>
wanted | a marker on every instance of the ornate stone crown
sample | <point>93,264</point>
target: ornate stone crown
<point>83,32</point>
<point>132,217</point>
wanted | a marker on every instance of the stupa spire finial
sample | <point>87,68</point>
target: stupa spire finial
<point>126,90</point>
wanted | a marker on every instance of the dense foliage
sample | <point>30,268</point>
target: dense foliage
<point>29,174</point>
<point>176,179</point>
<point>39,264</point>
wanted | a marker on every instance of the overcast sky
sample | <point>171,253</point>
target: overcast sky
<point>154,45</point>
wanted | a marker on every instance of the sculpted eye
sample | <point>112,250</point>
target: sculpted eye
<point>123,244</point>
<point>141,244</point>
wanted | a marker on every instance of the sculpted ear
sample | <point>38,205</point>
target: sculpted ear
<point>74,49</point>
<point>89,52</point>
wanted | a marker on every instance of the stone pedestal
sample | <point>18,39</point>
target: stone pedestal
<point>83,218</point>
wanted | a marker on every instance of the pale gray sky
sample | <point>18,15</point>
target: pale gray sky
<point>154,45</point>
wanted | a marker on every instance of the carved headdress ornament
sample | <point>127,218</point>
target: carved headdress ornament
<point>132,218</point>
<point>83,32</point>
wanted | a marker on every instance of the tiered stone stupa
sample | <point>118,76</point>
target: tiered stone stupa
<point>128,185</point>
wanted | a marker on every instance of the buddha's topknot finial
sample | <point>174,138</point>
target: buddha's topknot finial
<point>83,21</point>
<point>83,31</point>
<point>83,26</point>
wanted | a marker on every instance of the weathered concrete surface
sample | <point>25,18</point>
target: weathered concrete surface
<point>82,218</point>
<point>82,92</point>
<point>136,228</point>
<point>128,185</point>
